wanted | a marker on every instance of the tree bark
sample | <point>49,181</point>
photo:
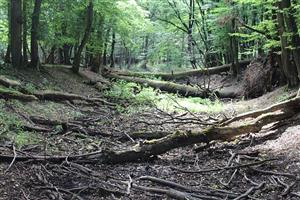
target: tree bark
<point>16,32</point>
<point>25,44</point>
<point>113,44</point>
<point>97,59</point>
<point>186,74</point>
<point>77,58</point>
<point>293,29</point>
<point>35,61</point>
<point>289,69</point>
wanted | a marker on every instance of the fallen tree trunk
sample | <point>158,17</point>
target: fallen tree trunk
<point>9,83</point>
<point>12,94</point>
<point>182,75</point>
<point>96,80</point>
<point>20,93</point>
<point>170,87</point>
<point>149,149</point>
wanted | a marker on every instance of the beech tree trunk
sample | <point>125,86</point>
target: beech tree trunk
<point>16,32</point>
<point>113,44</point>
<point>289,69</point>
<point>25,56</point>
<point>77,58</point>
<point>35,61</point>
<point>97,58</point>
<point>186,74</point>
<point>293,29</point>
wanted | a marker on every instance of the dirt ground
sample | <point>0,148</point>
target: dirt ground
<point>199,171</point>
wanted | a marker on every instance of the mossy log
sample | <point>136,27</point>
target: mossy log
<point>6,93</point>
<point>9,83</point>
<point>170,87</point>
<point>182,75</point>
<point>62,96</point>
<point>20,93</point>
<point>184,90</point>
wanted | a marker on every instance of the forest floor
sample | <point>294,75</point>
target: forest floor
<point>204,172</point>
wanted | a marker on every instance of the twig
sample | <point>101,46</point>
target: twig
<point>13,160</point>
<point>225,168</point>
<point>129,185</point>
<point>251,190</point>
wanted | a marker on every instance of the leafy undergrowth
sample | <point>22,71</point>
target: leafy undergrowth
<point>141,97</point>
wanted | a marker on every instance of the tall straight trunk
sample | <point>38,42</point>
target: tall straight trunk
<point>7,58</point>
<point>35,61</point>
<point>234,50</point>
<point>191,44</point>
<point>105,47</point>
<point>97,59</point>
<point>77,58</point>
<point>16,32</point>
<point>112,52</point>
<point>293,29</point>
<point>145,53</point>
<point>25,56</point>
<point>50,59</point>
<point>66,52</point>
<point>289,69</point>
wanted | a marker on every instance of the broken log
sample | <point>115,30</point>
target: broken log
<point>182,75</point>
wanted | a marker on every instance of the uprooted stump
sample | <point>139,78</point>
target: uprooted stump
<point>258,78</point>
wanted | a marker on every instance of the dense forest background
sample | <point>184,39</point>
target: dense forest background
<point>152,35</point>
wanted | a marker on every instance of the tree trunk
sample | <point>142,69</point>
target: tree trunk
<point>97,59</point>
<point>16,32</point>
<point>105,47</point>
<point>184,90</point>
<point>7,58</point>
<point>234,50</point>
<point>35,61</point>
<point>112,56</point>
<point>25,45</point>
<point>288,68</point>
<point>186,74</point>
<point>77,58</point>
<point>51,57</point>
<point>66,51</point>
<point>145,53</point>
<point>293,29</point>
<point>191,44</point>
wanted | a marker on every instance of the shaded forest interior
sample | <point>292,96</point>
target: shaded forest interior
<point>149,99</point>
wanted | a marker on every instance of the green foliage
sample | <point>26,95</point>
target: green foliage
<point>141,97</point>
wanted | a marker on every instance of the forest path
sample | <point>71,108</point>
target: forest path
<point>93,128</point>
